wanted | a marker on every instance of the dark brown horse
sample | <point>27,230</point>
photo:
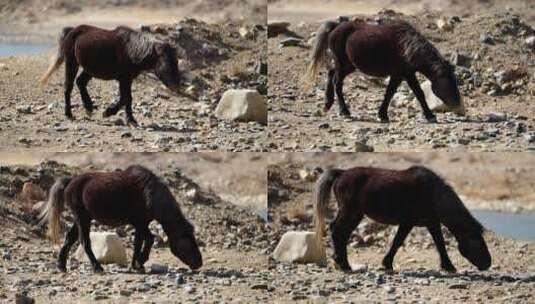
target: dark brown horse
<point>134,196</point>
<point>390,48</point>
<point>120,54</point>
<point>408,198</point>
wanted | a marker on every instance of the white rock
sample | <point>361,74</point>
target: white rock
<point>107,247</point>
<point>530,41</point>
<point>242,105</point>
<point>435,103</point>
<point>299,247</point>
<point>444,25</point>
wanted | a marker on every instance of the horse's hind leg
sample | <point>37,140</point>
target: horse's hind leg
<point>149,241</point>
<point>71,69</point>
<point>70,239</point>
<point>445,262</point>
<point>338,81</point>
<point>329,90</point>
<point>417,90</point>
<point>393,85</point>
<point>81,82</point>
<point>401,235</point>
<point>138,243</point>
<point>84,226</point>
<point>341,229</point>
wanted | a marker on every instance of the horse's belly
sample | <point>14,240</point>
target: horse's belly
<point>98,61</point>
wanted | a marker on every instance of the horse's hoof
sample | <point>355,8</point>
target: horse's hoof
<point>89,113</point>
<point>70,117</point>
<point>431,119</point>
<point>98,269</point>
<point>344,113</point>
<point>449,269</point>
<point>108,113</point>
<point>132,122</point>
<point>384,119</point>
<point>62,268</point>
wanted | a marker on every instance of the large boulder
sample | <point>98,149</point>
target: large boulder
<point>299,247</point>
<point>436,104</point>
<point>107,247</point>
<point>242,105</point>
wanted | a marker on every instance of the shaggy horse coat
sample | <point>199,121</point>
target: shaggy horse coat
<point>391,48</point>
<point>134,196</point>
<point>407,198</point>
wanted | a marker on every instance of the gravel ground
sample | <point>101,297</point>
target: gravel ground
<point>416,278</point>
<point>500,109</point>
<point>235,265</point>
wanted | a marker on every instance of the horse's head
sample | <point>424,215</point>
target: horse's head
<point>444,86</point>
<point>474,248</point>
<point>167,65</point>
<point>184,245</point>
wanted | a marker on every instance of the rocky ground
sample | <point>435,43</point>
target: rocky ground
<point>235,262</point>
<point>492,49</point>
<point>416,278</point>
<point>213,58</point>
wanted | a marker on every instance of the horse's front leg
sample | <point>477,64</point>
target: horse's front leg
<point>84,226</point>
<point>126,99</point>
<point>341,229</point>
<point>393,85</point>
<point>401,235</point>
<point>445,262</point>
<point>70,239</point>
<point>71,69</point>
<point>81,82</point>
<point>417,90</point>
<point>138,242</point>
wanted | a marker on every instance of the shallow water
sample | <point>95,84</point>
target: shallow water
<point>10,49</point>
<point>512,225</point>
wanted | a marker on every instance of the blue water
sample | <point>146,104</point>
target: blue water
<point>512,225</point>
<point>9,49</point>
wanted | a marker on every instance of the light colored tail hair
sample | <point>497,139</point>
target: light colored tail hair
<point>319,56</point>
<point>322,196</point>
<point>51,213</point>
<point>58,60</point>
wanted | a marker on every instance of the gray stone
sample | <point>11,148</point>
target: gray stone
<point>158,269</point>
<point>290,42</point>
<point>530,42</point>
<point>496,117</point>
<point>461,59</point>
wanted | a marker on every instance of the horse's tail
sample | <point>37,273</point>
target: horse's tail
<point>319,52</point>
<point>58,60</point>
<point>322,196</point>
<point>53,208</point>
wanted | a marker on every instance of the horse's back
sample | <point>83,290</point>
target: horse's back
<point>371,47</point>
<point>112,198</point>
<point>389,196</point>
<point>99,51</point>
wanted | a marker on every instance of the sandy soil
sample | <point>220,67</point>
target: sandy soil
<point>297,122</point>
<point>416,278</point>
<point>235,261</point>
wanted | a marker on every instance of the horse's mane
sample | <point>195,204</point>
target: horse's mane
<point>416,48</point>
<point>453,211</point>
<point>153,186</point>
<point>138,44</point>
